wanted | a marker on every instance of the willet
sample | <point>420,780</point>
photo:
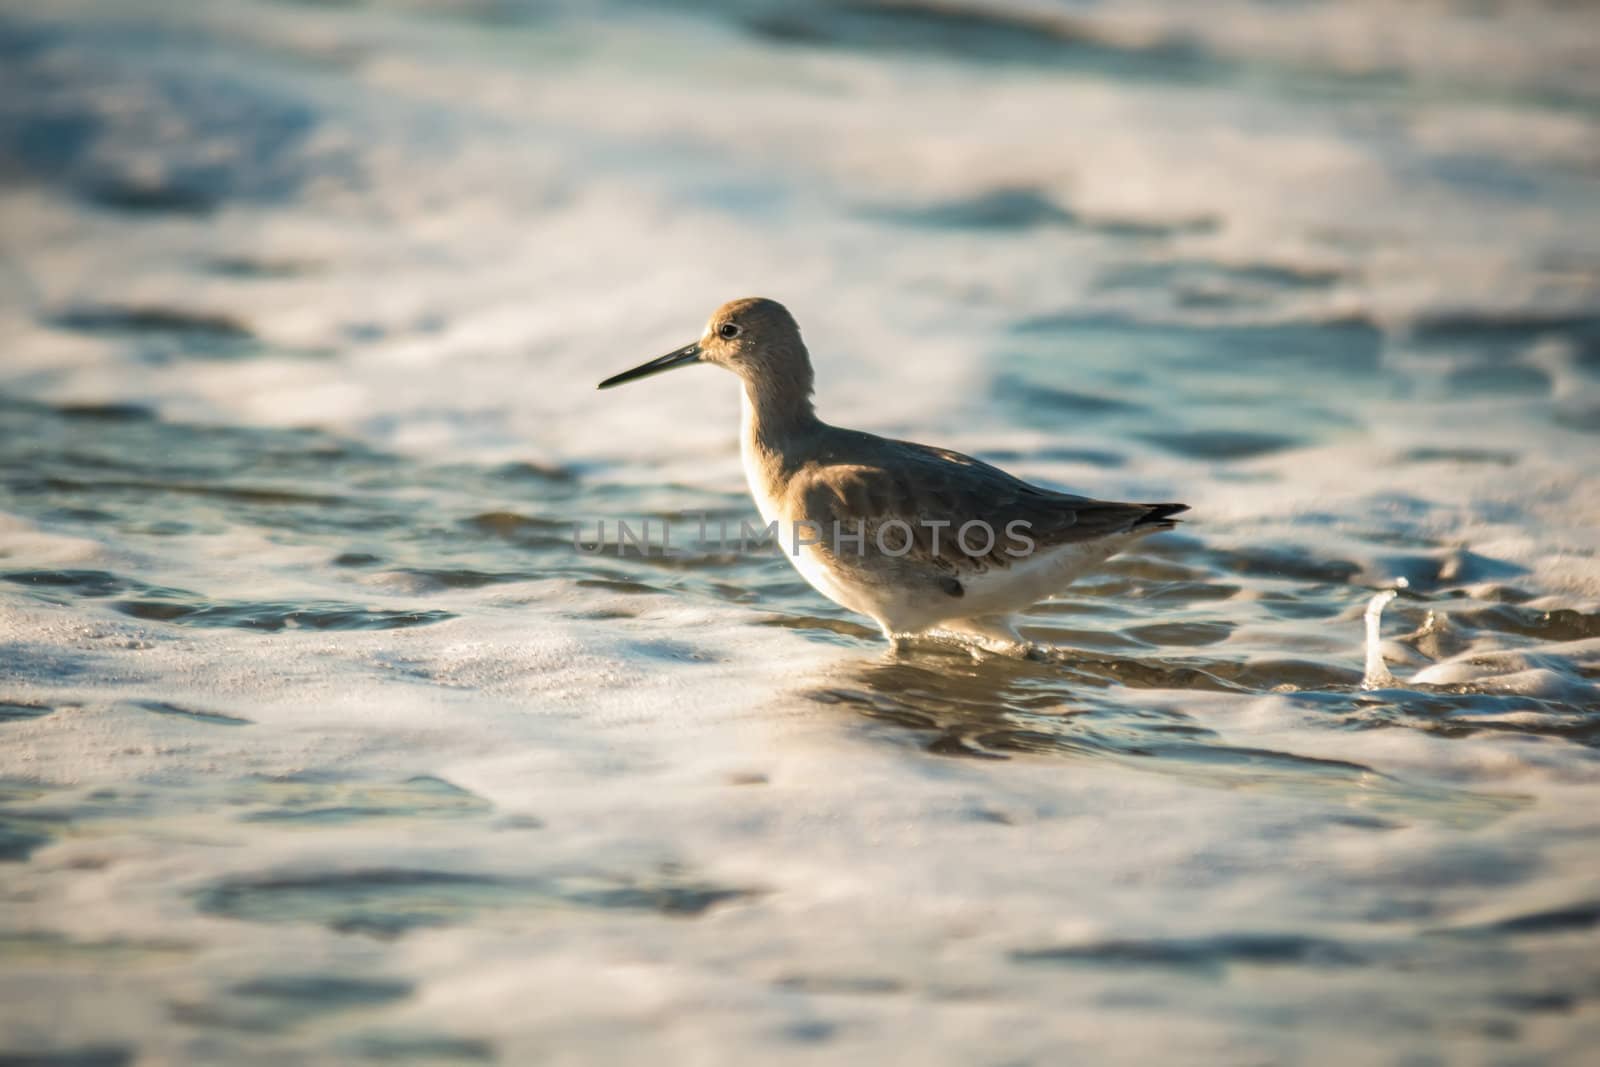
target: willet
<point>920,539</point>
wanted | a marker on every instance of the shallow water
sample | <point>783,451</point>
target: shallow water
<point>321,743</point>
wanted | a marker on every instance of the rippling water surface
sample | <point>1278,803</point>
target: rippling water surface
<point>320,742</point>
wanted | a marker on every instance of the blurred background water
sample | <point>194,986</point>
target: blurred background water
<point>319,743</point>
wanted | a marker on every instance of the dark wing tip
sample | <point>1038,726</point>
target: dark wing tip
<point>1160,516</point>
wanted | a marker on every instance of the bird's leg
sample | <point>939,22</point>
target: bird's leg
<point>898,642</point>
<point>991,633</point>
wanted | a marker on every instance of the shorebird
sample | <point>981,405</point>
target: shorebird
<point>922,540</point>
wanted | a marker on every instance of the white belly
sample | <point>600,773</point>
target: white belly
<point>901,608</point>
<point>1029,580</point>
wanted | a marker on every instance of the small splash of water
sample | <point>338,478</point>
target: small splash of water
<point>1377,674</point>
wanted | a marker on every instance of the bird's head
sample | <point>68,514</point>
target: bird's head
<point>756,338</point>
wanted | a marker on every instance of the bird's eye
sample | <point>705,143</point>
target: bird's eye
<point>729,330</point>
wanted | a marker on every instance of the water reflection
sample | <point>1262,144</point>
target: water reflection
<point>949,704</point>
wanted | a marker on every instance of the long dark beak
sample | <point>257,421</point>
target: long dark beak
<point>681,358</point>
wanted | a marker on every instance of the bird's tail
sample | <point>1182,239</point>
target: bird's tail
<point>1159,516</point>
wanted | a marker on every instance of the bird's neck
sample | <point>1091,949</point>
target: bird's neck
<point>774,414</point>
<point>771,441</point>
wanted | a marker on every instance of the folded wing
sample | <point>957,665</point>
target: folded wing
<point>936,492</point>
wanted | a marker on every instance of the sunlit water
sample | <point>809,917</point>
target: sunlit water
<point>320,742</point>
